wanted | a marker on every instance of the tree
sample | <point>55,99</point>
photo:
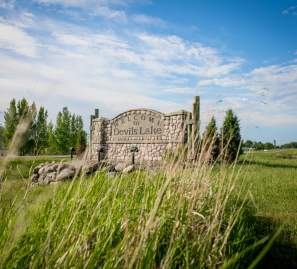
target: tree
<point>248,144</point>
<point>25,111</point>
<point>211,142</point>
<point>10,121</point>
<point>73,131</point>
<point>62,131</point>
<point>291,145</point>
<point>23,108</point>
<point>2,137</point>
<point>51,140</point>
<point>80,135</point>
<point>268,146</point>
<point>40,131</point>
<point>259,145</point>
<point>230,137</point>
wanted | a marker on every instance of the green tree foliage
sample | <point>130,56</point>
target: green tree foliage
<point>248,144</point>
<point>10,121</point>
<point>29,112</point>
<point>268,146</point>
<point>14,114</point>
<point>230,137</point>
<point>63,131</point>
<point>69,132</point>
<point>51,142</point>
<point>40,131</point>
<point>291,145</point>
<point>258,145</point>
<point>211,142</point>
<point>40,136</point>
<point>2,137</point>
<point>80,141</point>
<point>35,138</point>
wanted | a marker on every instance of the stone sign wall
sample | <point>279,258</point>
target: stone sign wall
<point>151,132</point>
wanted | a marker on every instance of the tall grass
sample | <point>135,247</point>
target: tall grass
<point>179,216</point>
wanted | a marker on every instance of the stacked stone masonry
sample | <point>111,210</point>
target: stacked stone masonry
<point>153,134</point>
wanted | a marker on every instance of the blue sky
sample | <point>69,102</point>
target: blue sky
<point>122,54</point>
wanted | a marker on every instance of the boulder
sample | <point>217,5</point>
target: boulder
<point>50,177</point>
<point>120,167</point>
<point>34,178</point>
<point>48,168</point>
<point>66,173</point>
<point>90,168</point>
<point>62,166</point>
<point>128,169</point>
<point>50,172</point>
<point>36,169</point>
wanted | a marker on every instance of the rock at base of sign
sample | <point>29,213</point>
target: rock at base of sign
<point>120,167</point>
<point>34,178</point>
<point>128,169</point>
<point>50,177</point>
<point>66,173</point>
<point>90,168</point>
<point>47,173</point>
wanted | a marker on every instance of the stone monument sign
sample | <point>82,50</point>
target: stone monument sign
<point>150,133</point>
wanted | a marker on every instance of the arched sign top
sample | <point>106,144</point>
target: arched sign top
<point>136,111</point>
<point>137,126</point>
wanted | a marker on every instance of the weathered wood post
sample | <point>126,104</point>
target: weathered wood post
<point>196,118</point>
<point>92,117</point>
<point>195,125</point>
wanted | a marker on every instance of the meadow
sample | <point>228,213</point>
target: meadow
<point>237,216</point>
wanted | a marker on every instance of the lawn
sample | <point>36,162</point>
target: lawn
<point>271,179</point>
<point>268,178</point>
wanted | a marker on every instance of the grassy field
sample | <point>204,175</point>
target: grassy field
<point>271,178</point>
<point>150,220</point>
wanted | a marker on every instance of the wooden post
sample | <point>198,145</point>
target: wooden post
<point>92,117</point>
<point>196,118</point>
<point>195,125</point>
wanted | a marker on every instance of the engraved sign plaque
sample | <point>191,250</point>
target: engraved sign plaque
<point>137,126</point>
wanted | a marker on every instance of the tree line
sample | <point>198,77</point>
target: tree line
<point>258,145</point>
<point>42,136</point>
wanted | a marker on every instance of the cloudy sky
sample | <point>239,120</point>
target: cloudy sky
<point>121,54</point>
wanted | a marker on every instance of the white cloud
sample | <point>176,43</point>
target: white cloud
<point>16,39</point>
<point>144,19</point>
<point>110,13</point>
<point>74,3</point>
<point>180,90</point>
